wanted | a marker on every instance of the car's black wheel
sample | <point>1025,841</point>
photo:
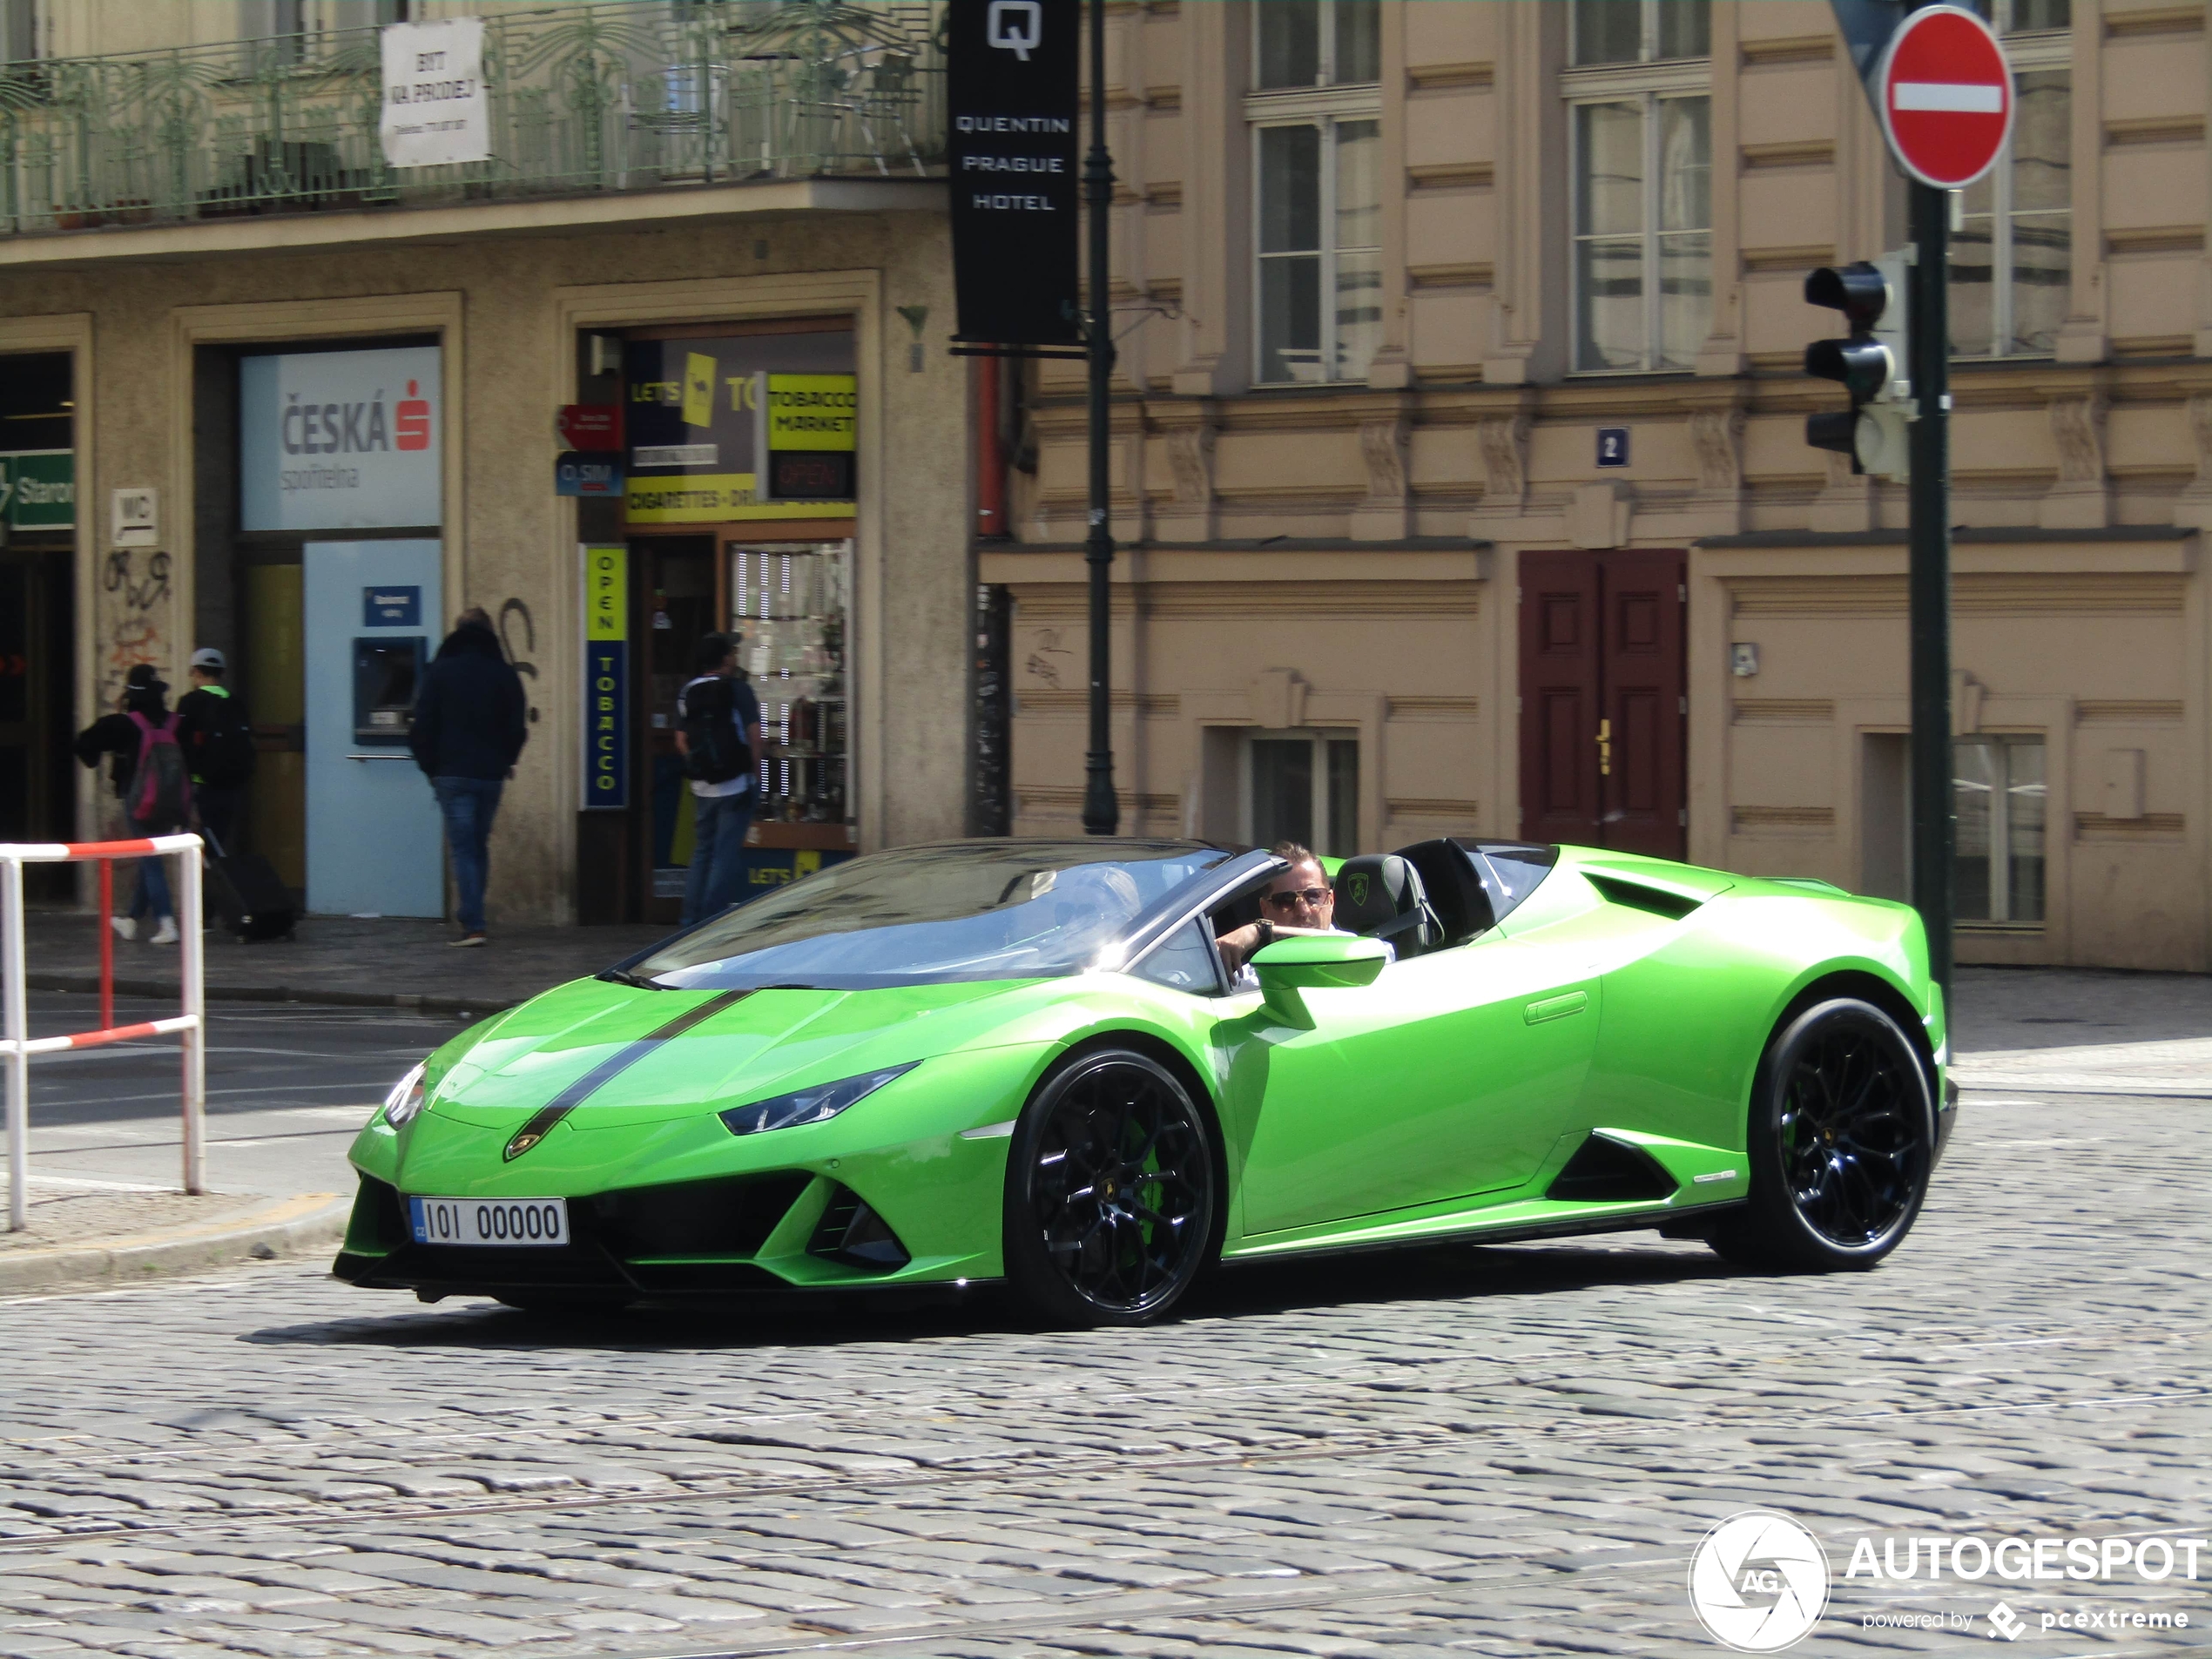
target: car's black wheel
<point>1109,1191</point>
<point>1842,1141</point>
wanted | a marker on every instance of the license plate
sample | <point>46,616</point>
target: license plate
<point>504,1222</point>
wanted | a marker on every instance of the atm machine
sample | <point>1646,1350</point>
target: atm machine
<point>375,842</point>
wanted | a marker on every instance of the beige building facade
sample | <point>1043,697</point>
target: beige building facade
<point>1459,455</point>
<point>1458,464</point>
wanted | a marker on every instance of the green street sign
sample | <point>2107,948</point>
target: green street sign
<point>38,489</point>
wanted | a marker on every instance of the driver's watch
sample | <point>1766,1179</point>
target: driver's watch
<point>1266,936</point>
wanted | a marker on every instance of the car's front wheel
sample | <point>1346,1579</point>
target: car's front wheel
<point>1841,1145</point>
<point>1111,1191</point>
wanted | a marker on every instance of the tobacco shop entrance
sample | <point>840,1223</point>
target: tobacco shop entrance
<point>736,517</point>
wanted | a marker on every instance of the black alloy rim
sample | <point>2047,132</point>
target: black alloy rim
<point>1121,1187</point>
<point>1853,1144</point>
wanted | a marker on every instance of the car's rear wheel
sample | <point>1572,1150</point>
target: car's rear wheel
<point>1842,1141</point>
<point>1111,1191</point>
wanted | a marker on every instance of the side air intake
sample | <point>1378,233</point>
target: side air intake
<point>1604,1170</point>
<point>1636,896</point>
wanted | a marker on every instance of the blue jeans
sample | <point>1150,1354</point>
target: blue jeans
<point>469,804</point>
<point>719,823</point>
<point>152,898</point>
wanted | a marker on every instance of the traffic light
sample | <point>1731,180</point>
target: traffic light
<point>1873,365</point>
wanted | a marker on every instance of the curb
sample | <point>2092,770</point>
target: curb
<point>310,1222</point>
<point>451,1006</point>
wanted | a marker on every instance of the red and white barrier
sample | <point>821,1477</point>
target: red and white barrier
<point>189,1022</point>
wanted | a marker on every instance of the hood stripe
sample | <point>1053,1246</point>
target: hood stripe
<point>613,1066</point>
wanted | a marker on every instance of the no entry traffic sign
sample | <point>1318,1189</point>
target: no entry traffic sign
<point>1945,94</point>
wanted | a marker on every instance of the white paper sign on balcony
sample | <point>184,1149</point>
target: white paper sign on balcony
<point>435,109</point>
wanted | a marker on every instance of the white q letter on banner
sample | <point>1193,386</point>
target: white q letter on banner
<point>435,108</point>
<point>1016,26</point>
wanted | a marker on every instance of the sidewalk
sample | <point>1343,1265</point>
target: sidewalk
<point>345,961</point>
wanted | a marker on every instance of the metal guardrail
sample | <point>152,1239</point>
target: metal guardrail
<point>622,95</point>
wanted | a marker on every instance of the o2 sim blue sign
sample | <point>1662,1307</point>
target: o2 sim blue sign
<point>391,607</point>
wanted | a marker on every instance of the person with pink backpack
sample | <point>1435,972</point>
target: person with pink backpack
<point>152,782</point>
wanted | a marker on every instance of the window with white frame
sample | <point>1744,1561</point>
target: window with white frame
<point>1640,129</point>
<point>1317,137</point>
<point>1998,788</point>
<point>1302,787</point>
<point>2012,247</point>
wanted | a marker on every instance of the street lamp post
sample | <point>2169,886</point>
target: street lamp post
<point>1101,812</point>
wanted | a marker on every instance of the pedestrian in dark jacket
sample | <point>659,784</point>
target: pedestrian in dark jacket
<point>218,744</point>
<point>144,693</point>
<point>470,726</point>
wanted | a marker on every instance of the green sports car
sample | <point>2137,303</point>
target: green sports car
<point>1025,1061</point>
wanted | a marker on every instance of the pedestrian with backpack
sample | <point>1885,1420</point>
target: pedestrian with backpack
<point>470,724</point>
<point>718,722</point>
<point>151,783</point>
<point>219,748</point>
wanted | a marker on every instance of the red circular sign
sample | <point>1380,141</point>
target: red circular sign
<point>1945,94</point>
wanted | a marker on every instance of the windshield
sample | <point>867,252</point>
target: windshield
<point>922,916</point>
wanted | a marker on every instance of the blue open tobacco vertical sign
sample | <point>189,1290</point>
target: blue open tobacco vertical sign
<point>606,679</point>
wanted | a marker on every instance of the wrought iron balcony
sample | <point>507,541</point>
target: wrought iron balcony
<point>623,95</point>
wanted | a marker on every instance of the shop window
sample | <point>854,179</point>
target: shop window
<point>1640,126</point>
<point>787,607</point>
<point>18,31</point>
<point>2012,247</point>
<point>1303,786</point>
<point>1997,787</point>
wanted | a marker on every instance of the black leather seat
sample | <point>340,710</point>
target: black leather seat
<point>1380,895</point>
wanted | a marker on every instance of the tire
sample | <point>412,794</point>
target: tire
<point>1111,1192</point>
<point>1842,1141</point>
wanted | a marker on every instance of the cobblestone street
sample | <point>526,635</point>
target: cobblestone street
<point>1499,1451</point>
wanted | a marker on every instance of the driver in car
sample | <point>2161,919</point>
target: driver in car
<point>1298,901</point>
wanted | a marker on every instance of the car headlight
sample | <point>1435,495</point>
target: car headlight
<point>404,1103</point>
<point>815,1105</point>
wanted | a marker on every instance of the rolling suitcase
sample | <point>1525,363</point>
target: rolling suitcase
<point>244,892</point>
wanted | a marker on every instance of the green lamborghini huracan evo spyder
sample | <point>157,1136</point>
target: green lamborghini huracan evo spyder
<point>1024,1061</point>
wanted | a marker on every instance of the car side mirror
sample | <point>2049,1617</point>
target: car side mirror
<point>1315,962</point>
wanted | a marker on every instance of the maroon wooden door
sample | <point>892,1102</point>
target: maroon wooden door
<point>1560,652</point>
<point>1603,715</point>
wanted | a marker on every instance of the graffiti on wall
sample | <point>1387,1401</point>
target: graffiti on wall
<point>1048,658</point>
<point>137,582</point>
<point>513,611</point>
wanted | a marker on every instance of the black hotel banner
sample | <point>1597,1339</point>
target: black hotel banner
<point>1015,169</point>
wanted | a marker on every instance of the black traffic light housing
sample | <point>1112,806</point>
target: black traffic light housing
<point>1872,365</point>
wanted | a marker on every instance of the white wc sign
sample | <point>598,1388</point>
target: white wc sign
<point>134,518</point>
<point>435,109</point>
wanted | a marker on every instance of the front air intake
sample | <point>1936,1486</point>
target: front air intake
<point>851,1232</point>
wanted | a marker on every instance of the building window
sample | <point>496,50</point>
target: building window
<point>1997,786</point>
<point>1303,786</point>
<point>1317,137</point>
<point>18,31</point>
<point>1320,253</point>
<point>1640,122</point>
<point>2012,250</point>
<point>1318,43</point>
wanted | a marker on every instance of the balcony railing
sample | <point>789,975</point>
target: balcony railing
<point>624,95</point>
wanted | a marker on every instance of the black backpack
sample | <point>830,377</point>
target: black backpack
<point>222,743</point>
<point>714,750</point>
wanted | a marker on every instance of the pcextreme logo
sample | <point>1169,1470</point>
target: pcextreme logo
<point>1759,1582</point>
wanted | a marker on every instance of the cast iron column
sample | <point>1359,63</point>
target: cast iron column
<point>1102,813</point>
<point>1934,822</point>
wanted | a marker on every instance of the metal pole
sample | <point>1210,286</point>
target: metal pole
<point>107,943</point>
<point>1934,822</point>
<point>18,1025</point>
<point>1101,812</point>
<point>194,987</point>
